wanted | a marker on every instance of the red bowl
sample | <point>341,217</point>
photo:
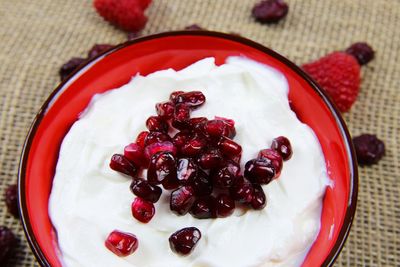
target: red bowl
<point>177,50</point>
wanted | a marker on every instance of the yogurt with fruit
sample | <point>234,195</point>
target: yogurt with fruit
<point>89,200</point>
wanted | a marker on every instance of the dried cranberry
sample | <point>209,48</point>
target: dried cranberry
<point>283,146</point>
<point>181,116</point>
<point>186,170</point>
<point>121,164</point>
<point>259,200</point>
<point>165,109</point>
<point>8,242</point>
<point>141,138</point>
<point>194,146</point>
<point>122,244</point>
<point>204,208</point>
<point>134,153</point>
<point>274,157</point>
<point>202,184</point>
<point>70,66</point>
<point>98,49</point>
<point>193,99</point>
<point>11,197</point>
<point>146,191</point>
<point>210,159</point>
<point>362,52</point>
<point>270,11</point>
<point>194,27</point>
<point>142,210</point>
<point>154,148</point>
<point>182,200</point>
<point>156,123</point>
<point>162,166</point>
<point>225,176</point>
<point>242,190</point>
<point>369,149</point>
<point>218,128</point>
<point>260,171</point>
<point>184,241</point>
<point>156,137</point>
<point>225,206</point>
<point>230,148</point>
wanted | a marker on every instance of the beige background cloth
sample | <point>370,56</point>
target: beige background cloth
<point>37,37</point>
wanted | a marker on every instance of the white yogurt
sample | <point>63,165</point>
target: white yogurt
<point>89,200</point>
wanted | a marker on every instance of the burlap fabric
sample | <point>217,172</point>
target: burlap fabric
<point>38,36</point>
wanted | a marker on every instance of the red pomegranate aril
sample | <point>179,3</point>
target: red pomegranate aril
<point>229,122</point>
<point>230,148</point>
<point>173,96</point>
<point>210,159</point>
<point>274,157</point>
<point>121,164</point>
<point>260,171</point>
<point>185,240</point>
<point>162,166</point>
<point>142,210</point>
<point>171,183</point>
<point>225,206</point>
<point>141,138</point>
<point>180,139</point>
<point>242,191</point>
<point>156,123</point>
<point>259,200</point>
<point>146,191</point>
<point>193,99</point>
<point>122,244</point>
<point>197,124</point>
<point>225,176</point>
<point>181,116</point>
<point>134,153</point>
<point>194,146</point>
<point>156,137</point>
<point>186,170</point>
<point>182,200</point>
<point>165,109</point>
<point>283,146</point>
<point>204,208</point>
<point>202,184</point>
<point>218,128</point>
<point>154,148</point>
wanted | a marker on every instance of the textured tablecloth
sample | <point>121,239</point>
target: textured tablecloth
<point>38,36</point>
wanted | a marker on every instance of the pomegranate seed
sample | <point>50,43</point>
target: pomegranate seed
<point>173,96</point>
<point>186,170</point>
<point>154,148</point>
<point>230,148</point>
<point>270,11</point>
<point>180,139</point>
<point>97,49</point>
<point>142,210</point>
<point>283,146</point>
<point>121,164</point>
<point>140,139</point>
<point>181,116</point>
<point>70,66</point>
<point>369,149</point>
<point>225,176</point>
<point>11,198</point>
<point>210,159</point>
<point>194,146</point>
<point>202,184</point>
<point>171,182</point>
<point>363,52</point>
<point>182,200</point>
<point>242,191</point>
<point>8,243</point>
<point>193,99</point>
<point>259,200</point>
<point>155,123</point>
<point>162,166</point>
<point>165,109</point>
<point>134,153</point>
<point>156,137</point>
<point>274,157</point>
<point>204,208</point>
<point>184,241</point>
<point>218,128</point>
<point>260,171</point>
<point>225,206</point>
<point>197,124</point>
<point>146,191</point>
<point>229,122</point>
<point>122,244</point>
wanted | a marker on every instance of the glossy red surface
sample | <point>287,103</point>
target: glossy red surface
<point>178,50</point>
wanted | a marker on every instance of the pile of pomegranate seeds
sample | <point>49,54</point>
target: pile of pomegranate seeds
<point>200,164</point>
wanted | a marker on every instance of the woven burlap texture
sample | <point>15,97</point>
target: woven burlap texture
<point>38,36</point>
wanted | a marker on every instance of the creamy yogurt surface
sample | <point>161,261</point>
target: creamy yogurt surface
<point>89,200</point>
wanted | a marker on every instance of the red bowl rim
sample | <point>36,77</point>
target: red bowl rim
<point>351,201</point>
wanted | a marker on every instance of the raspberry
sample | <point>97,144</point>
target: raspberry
<point>270,11</point>
<point>126,14</point>
<point>369,149</point>
<point>339,75</point>
<point>362,52</point>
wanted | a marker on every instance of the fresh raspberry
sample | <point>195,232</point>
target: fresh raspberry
<point>126,14</point>
<point>339,75</point>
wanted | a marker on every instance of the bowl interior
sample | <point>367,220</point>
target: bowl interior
<point>178,50</point>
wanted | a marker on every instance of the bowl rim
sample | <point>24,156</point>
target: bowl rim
<point>351,201</point>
